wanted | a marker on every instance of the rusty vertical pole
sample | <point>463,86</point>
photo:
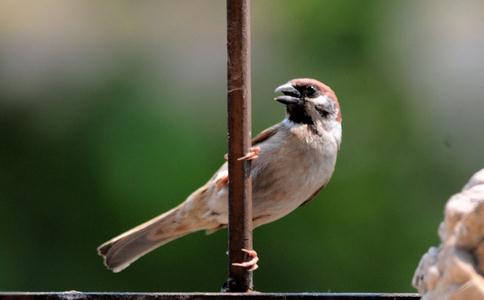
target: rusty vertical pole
<point>239,133</point>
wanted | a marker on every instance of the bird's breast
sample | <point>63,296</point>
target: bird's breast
<point>287,172</point>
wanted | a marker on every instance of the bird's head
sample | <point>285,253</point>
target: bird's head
<point>309,101</point>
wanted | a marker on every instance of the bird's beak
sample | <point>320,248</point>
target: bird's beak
<point>291,95</point>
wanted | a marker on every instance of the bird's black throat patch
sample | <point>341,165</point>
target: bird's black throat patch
<point>298,114</point>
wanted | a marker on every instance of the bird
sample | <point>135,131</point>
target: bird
<point>291,162</point>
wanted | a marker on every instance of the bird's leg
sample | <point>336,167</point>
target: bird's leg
<point>250,264</point>
<point>252,154</point>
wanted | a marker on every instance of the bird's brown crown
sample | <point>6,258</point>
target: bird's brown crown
<point>322,88</point>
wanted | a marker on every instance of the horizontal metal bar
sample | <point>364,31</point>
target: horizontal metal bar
<point>200,296</point>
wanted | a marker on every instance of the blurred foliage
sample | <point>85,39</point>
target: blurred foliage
<point>80,163</point>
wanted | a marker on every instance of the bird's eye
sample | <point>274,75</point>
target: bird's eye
<point>311,91</point>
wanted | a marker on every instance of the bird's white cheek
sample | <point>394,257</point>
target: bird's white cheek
<point>321,100</point>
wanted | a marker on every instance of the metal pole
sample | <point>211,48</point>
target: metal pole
<point>239,139</point>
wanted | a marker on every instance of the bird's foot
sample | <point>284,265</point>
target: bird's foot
<point>252,154</point>
<point>250,264</point>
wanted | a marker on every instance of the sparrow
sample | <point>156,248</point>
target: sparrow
<point>291,162</point>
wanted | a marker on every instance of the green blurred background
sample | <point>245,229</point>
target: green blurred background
<point>112,112</point>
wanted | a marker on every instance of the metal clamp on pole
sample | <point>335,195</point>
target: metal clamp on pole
<point>239,140</point>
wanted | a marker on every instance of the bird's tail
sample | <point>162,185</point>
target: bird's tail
<point>121,251</point>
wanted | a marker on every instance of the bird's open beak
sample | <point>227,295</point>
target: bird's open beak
<point>291,95</point>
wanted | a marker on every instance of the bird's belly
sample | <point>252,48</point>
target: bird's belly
<point>278,185</point>
<point>281,186</point>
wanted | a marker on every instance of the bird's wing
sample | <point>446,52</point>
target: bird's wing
<point>265,134</point>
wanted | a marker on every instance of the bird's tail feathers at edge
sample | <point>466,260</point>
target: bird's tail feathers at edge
<point>119,252</point>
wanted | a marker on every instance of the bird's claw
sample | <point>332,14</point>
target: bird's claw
<point>252,263</point>
<point>252,154</point>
